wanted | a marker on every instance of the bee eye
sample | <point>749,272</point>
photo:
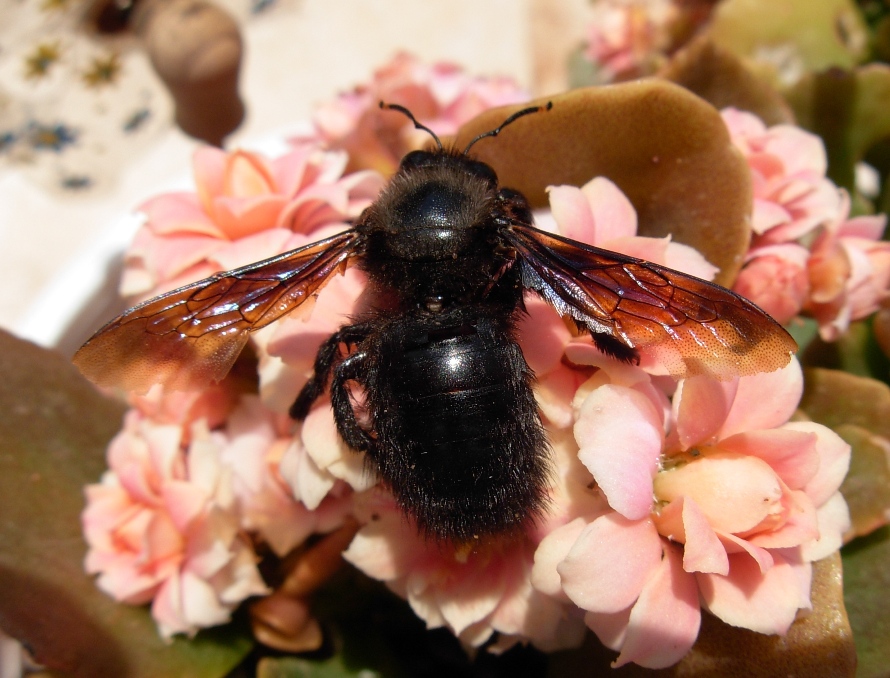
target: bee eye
<point>417,159</point>
<point>483,171</point>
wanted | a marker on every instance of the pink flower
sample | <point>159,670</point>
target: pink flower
<point>246,208</point>
<point>775,278</point>
<point>743,502</point>
<point>792,196</point>
<point>598,214</point>
<point>849,271</point>
<point>629,38</point>
<point>472,593</point>
<point>162,527</point>
<point>807,254</point>
<point>441,96</point>
<point>256,442</point>
<point>183,408</point>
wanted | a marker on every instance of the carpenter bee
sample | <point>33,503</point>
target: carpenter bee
<point>451,425</point>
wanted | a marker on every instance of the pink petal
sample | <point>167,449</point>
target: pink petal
<point>542,336</point>
<point>471,597</point>
<point>868,227</point>
<point>735,492</point>
<point>572,213</point>
<point>610,562</point>
<point>240,217</point>
<point>703,550</point>
<point>166,609</point>
<point>619,433</point>
<point>800,527</point>
<point>767,214</point>
<point>834,460</point>
<point>651,249</point>
<point>765,602</point>
<point>613,214</point>
<point>177,214</point>
<point>664,622</point>
<point>385,549</point>
<point>734,544</point>
<point>689,260</point>
<point>790,453</point>
<point>800,150</point>
<point>185,502</point>
<point>290,169</point>
<point>552,550</point>
<point>700,406</point>
<point>834,521</point>
<point>251,248</point>
<point>248,175</point>
<point>208,165</point>
<point>554,393</point>
<point>765,400</point>
<point>610,628</point>
<point>201,606</point>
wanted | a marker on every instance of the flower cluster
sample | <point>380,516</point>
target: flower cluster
<point>247,207</point>
<point>807,254</point>
<point>707,479</point>
<point>666,498</point>
<point>442,95</point>
<point>629,38</point>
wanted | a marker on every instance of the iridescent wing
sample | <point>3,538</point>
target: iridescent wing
<point>190,337</point>
<point>693,326</point>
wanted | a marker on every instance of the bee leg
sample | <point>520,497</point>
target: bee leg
<point>352,368</point>
<point>328,355</point>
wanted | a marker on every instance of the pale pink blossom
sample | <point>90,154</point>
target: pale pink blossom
<point>743,502</point>
<point>807,254</point>
<point>246,207</point>
<point>599,214</point>
<point>442,96</point>
<point>474,592</point>
<point>849,271</point>
<point>256,442</point>
<point>212,404</point>
<point>162,526</point>
<point>775,278</point>
<point>792,196</point>
<point>629,38</point>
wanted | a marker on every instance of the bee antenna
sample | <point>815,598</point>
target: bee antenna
<point>410,116</point>
<point>512,118</point>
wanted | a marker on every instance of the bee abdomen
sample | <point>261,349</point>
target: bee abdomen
<point>464,452</point>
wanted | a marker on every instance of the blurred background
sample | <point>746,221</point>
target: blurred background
<point>87,121</point>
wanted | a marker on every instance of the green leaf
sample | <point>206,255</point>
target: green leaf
<point>856,352</point>
<point>867,485</point>
<point>849,110</point>
<point>792,36</point>
<point>867,598</point>
<point>296,667</point>
<point>835,398</point>
<point>54,427</point>
<point>858,409</point>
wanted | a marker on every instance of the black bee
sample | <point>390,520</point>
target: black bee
<point>451,425</point>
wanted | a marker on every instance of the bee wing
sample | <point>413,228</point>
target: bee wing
<point>190,337</point>
<point>693,326</point>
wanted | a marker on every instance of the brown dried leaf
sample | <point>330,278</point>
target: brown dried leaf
<point>667,149</point>
<point>719,77</point>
